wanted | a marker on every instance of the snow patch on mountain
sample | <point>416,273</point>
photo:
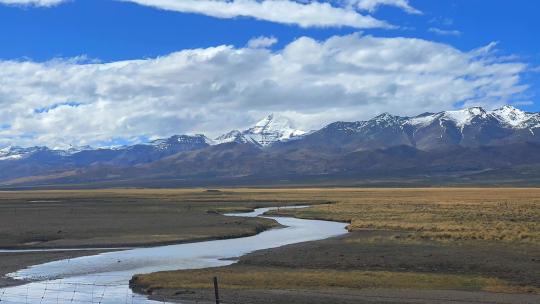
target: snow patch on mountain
<point>512,116</point>
<point>233,136</point>
<point>464,117</point>
<point>387,120</point>
<point>273,128</point>
<point>181,140</point>
<point>76,149</point>
<point>15,153</point>
<point>11,157</point>
<point>422,120</point>
<point>507,115</point>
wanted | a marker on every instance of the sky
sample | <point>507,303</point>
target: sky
<point>110,72</point>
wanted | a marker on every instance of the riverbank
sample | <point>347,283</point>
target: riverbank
<point>117,218</point>
<point>366,296</point>
<point>477,242</point>
<point>363,267</point>
<point>112,271</point>
<point>477,245</point>
<point>11,262</point>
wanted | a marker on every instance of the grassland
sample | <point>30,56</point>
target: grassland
<point>499,214</point>
<point>414,239</point>
<point>420,240</point>
<point>246,277</point>
<point>113,218</point>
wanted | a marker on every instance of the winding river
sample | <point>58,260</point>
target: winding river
<point>104,278</point>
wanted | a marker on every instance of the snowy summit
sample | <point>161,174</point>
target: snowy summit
<point>271,129</point>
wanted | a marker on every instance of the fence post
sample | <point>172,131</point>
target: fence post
<point>216,290</point>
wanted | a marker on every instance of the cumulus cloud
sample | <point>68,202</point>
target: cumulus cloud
<point>45,3</point>
<point>304,14</point>
<point>442,32</point>
<point>262,42</point>
<point>216,89</point>
<point>372,5</point>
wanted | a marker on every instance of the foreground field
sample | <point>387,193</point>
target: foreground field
<point>420,240</point>
<point>424,245</point>
<point>114,218</point>
<point>365,266</point>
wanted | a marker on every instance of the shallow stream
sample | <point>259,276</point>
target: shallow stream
<point>104,278</point>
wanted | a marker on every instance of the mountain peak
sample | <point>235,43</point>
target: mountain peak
<point>465,116</point>
<point>385,117</point>
<point>511,116</point>
<point>16,152</point>
<point>508,108</point>
<point>233,136</point>
<point>72,149</point>
<point>273,121</point>
<point>271,129</point>
<point>268,119</point>
<point>181,141</point>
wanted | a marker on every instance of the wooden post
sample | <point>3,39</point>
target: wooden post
<point>216,290</point>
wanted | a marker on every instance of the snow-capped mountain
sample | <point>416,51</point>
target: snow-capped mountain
<point>466,127</point>
<point>517,119</point>
<point>182,142</point>
<point>234,136</point>
<point>473,127</point>
<point>507,115</point>
<point>447,143</point>
<point>76,149</point>
<point>273,128</point>
<point>469,127</point>
<point>15,153</point>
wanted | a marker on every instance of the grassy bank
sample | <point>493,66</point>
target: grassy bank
<point>277,278</point>
<point>413,239</point>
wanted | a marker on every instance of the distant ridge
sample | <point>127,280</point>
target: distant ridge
<point>456,145</point>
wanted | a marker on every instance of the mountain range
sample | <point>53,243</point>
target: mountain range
<point>468,146</point>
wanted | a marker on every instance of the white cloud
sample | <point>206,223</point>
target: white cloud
<point>442,32</point>
<point>262,42</point>
<point>216,89</point>
<point>305,14</point>
<point>535,69</point>
<point>45,3</point>
<point>372,5</point>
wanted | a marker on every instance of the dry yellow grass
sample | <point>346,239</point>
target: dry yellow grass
<point>442,214</point>
<point>498,214</point>
<point>452,214</point>
<point>242,277</point>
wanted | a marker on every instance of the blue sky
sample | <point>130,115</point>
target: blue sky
<point>108,31</point>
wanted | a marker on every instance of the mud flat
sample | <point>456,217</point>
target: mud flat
<point>124,217</point>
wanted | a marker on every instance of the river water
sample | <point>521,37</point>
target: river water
<point>104,278</point>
